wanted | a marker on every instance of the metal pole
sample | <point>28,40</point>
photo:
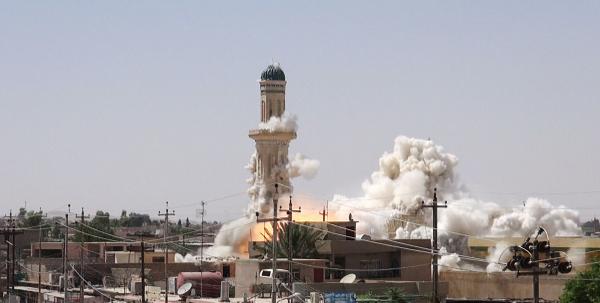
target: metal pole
<point>274,244</point>
<point>6,239</point>
<point>201,249</point>
<point>66,256</point>
<point>166,255</point>
<point>14,256</point>
<point>81,243</point>
<point>434,260</point>
<point>40,298</point>
<point>290,213</point>
<point>143,274</point>
<point>40,264</point>
<point>536,276</point>
<point>166,215</point>
<point>289,239</point>
<point>435,256</point>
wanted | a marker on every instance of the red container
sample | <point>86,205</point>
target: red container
<point>211,282</point>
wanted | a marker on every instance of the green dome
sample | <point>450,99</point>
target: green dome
<point>273,72</point>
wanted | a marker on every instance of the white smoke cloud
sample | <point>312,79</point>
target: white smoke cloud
<point>231,237</point>
<point>300,165</point>
<point>407,176</point>
<point>234,235</point>
<point>285,123</point>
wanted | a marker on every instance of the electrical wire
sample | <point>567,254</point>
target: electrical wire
<point>90,284</point>
<point>430,252</point>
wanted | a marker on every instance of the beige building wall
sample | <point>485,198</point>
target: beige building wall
<point>472,285</point>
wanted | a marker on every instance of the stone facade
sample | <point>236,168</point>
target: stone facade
<point>272,145</point>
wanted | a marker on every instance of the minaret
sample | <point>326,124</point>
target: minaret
<point>272,144</point>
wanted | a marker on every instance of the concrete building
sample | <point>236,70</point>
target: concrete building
<point>366,258</point>
<point>99,252</point>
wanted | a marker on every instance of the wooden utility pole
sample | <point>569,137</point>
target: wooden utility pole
<point>166,214</point>
<point>42,216</point>
<point>7,241</point>
<point>290,213</point>
<point>202,248</point>
<point>274,224</point>
<point>81,242</point>
<point>66,256</point>
<point>434,206</point>
<point>143,262</point>
<point>11,233</point>
<point>325,212</point>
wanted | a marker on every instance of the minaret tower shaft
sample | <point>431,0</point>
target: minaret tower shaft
<point>272,143</point>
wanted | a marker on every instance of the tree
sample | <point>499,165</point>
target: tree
<point>304,241</point>
<point>187,222</point>
<point>95,230</point>
<point>583,288</point>
<point>31,218</point>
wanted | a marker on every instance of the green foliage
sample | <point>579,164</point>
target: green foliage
<point>392,295</point>
<point>30,218</point>
<point>584,288</point>
<point>133,220</point>
<point>303,239</point>
<point>96,229</point>
<point>396,295</point>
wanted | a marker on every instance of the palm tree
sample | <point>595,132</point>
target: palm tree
<point>303,240</point>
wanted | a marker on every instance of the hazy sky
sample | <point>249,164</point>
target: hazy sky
<point>124,105</point>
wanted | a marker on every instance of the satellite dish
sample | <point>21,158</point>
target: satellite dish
<point>184,290</point>
<point>348,279</point>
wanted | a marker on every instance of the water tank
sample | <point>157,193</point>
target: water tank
<point>211,282</point>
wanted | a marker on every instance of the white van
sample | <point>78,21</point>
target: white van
<point>265,276</point>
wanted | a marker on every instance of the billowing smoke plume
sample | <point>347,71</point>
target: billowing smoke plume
<point>391,204</point>
<point>287,123</point>
<point>408,175</point>
<point>300,165</point>
<point>234,236</point>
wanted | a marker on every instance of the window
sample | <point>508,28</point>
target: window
<point>265,273</point>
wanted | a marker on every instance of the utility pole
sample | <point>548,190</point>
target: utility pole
<point>434,206</point>
<point>142,259</point>
<point>290,213</point>
<point>6,234</point>
<point>201,248</point>
<point>81,241</point>
<point>143,274</point>
<point>41,214</point>
<point>536,273</point>
<point>66,256</point>
<point>7,240</point>
<point>325,212</point>
<point>166,215</point>
<point>11,234</point>
<point>553,265</point>
<point>273,221</point>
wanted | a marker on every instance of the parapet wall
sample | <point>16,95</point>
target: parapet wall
<point>472,285</point>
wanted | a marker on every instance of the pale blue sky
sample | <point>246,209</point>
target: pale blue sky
<point>119,104</point>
